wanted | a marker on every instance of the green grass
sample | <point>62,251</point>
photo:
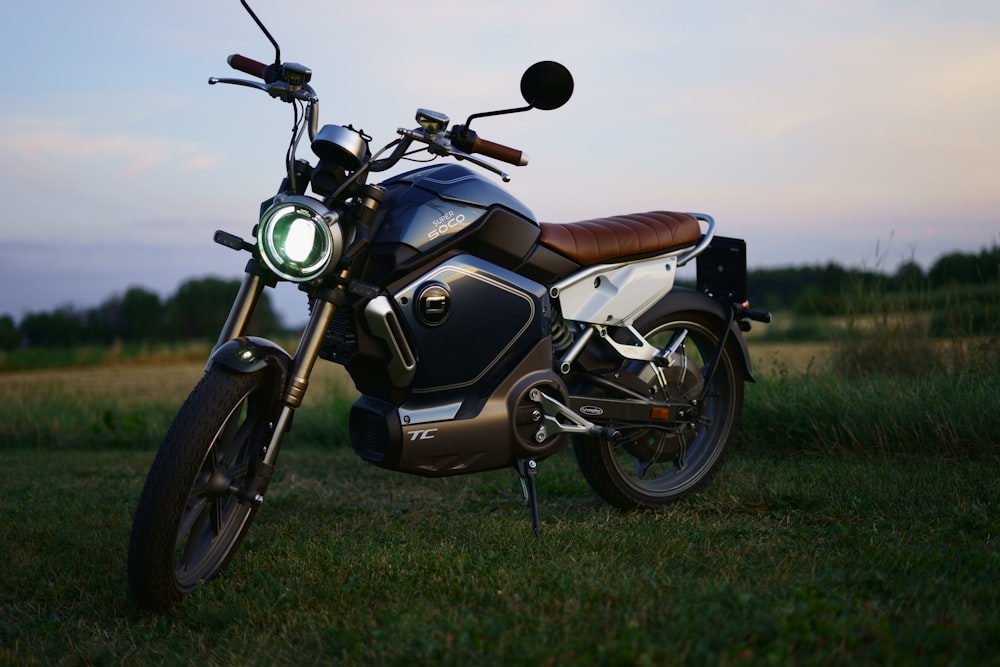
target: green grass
<point>797,560</point>
<point>936,416</point>
<point>34,358</point>
<point>877,415</point>
<point>857,522</point>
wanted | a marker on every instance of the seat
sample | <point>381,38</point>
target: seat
<point>620,237</point>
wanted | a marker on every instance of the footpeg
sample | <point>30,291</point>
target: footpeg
<point>575,424</point>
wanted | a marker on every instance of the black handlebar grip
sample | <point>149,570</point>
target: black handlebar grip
<point>247,65</point>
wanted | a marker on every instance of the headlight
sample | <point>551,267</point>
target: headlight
<point>299,238</point>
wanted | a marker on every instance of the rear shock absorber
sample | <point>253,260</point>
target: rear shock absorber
<point>562,336</point>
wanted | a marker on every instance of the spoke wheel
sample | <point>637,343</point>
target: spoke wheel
<point>654,467</point>
<point>190,521</point>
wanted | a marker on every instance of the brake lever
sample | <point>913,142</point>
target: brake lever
<point>446,149</point>
<point>279,89</point>
<point>238,82</point>
<point>481,163</point>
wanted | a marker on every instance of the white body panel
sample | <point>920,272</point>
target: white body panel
<point>616,294</point>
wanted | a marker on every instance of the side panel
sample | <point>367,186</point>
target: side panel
<point>503,238</point>
<point>468,319</point>
<point>614,295</point>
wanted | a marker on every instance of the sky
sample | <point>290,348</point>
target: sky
<point>862,132</point>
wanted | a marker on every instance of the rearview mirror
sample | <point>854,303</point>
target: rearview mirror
<point>546,85</point>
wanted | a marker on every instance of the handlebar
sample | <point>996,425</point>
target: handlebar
<point>247,65</point>
<point>468,141</point>
<point>289,82</point>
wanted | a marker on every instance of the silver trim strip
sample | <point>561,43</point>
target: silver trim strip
<point>384,324</point>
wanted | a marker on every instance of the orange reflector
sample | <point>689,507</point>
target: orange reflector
<point>659,414</point>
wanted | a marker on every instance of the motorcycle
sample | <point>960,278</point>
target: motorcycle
<point>567,334</point>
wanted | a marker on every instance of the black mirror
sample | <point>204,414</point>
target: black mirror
<point>547,85</point>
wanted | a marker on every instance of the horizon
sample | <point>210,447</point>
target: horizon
<point>288,321</point>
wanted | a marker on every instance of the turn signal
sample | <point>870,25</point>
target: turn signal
<point>659,414</point>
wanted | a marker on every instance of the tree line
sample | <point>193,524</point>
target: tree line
<point>194,312</point>
<point>830,289</point>
<point>196,309</point>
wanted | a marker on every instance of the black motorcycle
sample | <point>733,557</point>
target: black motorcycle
<point>477,337</point>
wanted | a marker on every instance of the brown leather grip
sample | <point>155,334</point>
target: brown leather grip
<point>247,65</point>
<point>499,152</point>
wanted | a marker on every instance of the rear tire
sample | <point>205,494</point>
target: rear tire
<point>189,523</point>
<point>652,468</point>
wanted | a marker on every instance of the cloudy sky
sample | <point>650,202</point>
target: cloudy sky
<point>858,131</point>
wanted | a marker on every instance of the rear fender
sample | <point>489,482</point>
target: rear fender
<point>681,299</point>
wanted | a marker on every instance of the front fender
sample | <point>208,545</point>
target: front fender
<point>684,299</point>
<point>248,354</point>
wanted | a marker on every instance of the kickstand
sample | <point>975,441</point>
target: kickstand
<point>527,469</point>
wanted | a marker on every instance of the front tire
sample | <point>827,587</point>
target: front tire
<point>652,468</point>
<point>189,522</point>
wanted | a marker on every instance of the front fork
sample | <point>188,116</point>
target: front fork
<point>293,371</point>
<point>246,299</point>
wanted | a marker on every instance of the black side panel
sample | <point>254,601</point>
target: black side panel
<point>545,266</point>
<point>490,318</point>
<point>503,238</point>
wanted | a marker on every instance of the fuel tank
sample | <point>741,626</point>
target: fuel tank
<point>429,207</point>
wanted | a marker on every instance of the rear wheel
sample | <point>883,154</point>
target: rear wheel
<point>650,467</point>
<point>190,521</point>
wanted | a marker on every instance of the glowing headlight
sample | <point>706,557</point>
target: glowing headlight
<point>299,238</point>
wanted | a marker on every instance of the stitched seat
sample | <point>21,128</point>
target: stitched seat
<point>620,237</point>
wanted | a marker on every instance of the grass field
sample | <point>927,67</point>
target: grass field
<point>844,530</point>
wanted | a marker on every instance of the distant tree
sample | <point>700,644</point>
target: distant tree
<point>988,264</point>
<point>61,328</point>
<point>140,317</point>
<point>9,337</point>
<point>100,322</point>
<point>909,275</point>
<point>266,321</point>
<point>954,269</point>
<point>199,307</point>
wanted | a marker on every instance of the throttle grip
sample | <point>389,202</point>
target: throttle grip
<point>499,152</point>
<point>466,140</point>
<point>247,65</point>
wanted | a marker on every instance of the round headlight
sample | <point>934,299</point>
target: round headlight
<point>299,238</point>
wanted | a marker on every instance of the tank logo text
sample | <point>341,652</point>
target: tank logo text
<point>446,224</point>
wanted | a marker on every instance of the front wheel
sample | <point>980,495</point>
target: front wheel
<point>190,518</point>
<point>653,467</point>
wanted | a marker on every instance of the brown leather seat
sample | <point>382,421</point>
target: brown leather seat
<point>620,237</point>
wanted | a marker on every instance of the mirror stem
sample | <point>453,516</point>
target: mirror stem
<point>502,112</point>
